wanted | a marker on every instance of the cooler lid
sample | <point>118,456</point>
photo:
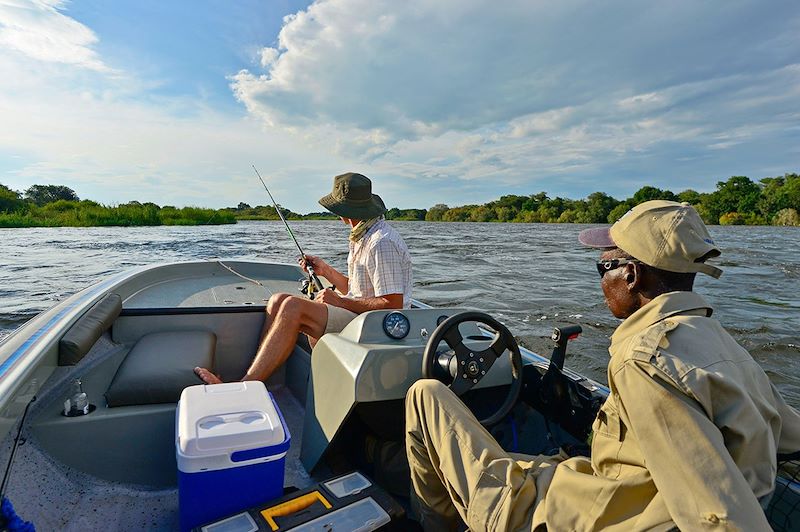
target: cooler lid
<point>223,418</point>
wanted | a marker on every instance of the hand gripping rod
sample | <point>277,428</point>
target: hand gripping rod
<point>315,282</point>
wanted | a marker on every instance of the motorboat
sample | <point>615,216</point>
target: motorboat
<point>89,395</point>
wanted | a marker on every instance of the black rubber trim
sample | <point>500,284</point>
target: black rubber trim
<point>178,311</point>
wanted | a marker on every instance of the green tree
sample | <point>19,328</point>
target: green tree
<point>596,209</point>
<point>534,201</point>
<point>738,194</point>
<point>482,213</point>
<point>692,197</point>
<point>649,193</point>
<point>619,211</point>
<point>10,200</point>
<point>44,194</point>
<point>436,212</point>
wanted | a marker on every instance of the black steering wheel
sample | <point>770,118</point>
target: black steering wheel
<point>462,368</point>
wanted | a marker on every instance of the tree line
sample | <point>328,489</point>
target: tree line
<point>60,206</point>
<point>737,201</point>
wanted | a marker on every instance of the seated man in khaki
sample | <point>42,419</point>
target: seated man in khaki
<point>688,436</point>
<point>379,277</point>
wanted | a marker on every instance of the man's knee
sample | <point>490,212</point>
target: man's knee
<point>275,301</point>
<point>290,307</point>
<point>425,388</point>
<point>421,392</point>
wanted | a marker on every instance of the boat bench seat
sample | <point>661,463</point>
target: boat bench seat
<point>159,366</point>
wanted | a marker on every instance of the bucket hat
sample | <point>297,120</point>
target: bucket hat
<point>352,197</point>
<point>664,234</point>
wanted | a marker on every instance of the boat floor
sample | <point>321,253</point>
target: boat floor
<point>40,488</point>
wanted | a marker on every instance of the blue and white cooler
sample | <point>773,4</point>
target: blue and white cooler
<point>231,448</point>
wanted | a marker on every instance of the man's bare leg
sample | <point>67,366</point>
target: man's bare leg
<point>273,305</point>
<point>293,315</point>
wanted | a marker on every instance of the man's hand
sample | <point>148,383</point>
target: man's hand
<point>320,266</point>
<point>329,296</point>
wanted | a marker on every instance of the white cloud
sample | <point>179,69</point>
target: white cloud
<point>521,90</point>
<point>38,30</point>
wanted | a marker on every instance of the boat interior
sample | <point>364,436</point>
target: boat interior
<point>134,347</point>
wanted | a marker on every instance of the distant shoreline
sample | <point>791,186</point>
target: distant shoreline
<point>737,201</point>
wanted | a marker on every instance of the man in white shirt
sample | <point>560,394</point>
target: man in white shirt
<point>378,277</point>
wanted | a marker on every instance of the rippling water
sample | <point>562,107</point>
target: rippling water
<point>530,276</point>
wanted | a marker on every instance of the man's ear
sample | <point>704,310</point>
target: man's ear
<point>633,276</point>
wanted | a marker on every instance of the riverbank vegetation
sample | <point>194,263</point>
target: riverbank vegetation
<point>737,201</point>
<point>59,206</point>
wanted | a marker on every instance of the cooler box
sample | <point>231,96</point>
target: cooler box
<point>231,448</point>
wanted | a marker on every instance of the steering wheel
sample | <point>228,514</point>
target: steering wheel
<point>462,368</point>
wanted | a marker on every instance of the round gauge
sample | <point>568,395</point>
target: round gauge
<point>396,325</point>
<point>440,319</point>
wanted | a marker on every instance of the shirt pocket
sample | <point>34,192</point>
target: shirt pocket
<point>608,423</point>
<point>607,440</point>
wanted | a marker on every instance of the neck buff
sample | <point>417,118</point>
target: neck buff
<point>361,228</point>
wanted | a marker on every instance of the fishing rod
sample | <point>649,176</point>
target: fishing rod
<point>314,284</point>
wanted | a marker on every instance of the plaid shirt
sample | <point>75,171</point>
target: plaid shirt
<point>379,264</point>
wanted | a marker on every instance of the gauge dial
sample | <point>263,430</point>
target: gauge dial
<point>396,325</point>
<point>440,319</point>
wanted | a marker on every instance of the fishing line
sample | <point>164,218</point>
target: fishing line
<point>256,281</point>
<point>314,283</point>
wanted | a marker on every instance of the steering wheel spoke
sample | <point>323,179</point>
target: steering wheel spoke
<point>498,347</point>
<point>461,385</point>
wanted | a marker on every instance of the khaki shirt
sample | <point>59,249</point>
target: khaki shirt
<point>687,436</point>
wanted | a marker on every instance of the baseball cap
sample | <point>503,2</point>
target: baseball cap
<point>664,234</point>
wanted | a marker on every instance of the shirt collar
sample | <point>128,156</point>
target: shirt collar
<point>660,308</point>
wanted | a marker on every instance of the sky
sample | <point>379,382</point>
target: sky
<point>437,101</point>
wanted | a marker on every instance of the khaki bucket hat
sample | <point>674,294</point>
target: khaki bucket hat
<point>664,234</point>
<point>352,197</point>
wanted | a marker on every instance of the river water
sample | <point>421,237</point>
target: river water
<point>530,276</point>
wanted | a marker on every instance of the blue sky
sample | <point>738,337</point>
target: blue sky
<point>439,101</point>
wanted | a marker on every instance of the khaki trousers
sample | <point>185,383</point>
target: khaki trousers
<point>460,473</point>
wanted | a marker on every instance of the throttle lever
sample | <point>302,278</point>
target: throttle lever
<point>562,335</point>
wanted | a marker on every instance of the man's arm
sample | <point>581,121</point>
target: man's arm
<point>360,305</point>
<point>322,268</point>
<point>686,455</point>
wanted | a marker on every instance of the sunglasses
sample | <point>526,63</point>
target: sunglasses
<point>604,266</point>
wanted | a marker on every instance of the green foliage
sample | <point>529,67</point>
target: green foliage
<point>735,201</point>
<point>618,211</point>
<point>738,194</point>
<point>10,200</point>
<point>44,194</point>
<point>436,212</point>
<point>652,193</point>
<point>267,212</point>
<point>406,214</point>
<point>731,218</point>
<point>86,213</point>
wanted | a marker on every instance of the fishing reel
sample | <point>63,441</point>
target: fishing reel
<point>310,286</point>
<point>307,288</point>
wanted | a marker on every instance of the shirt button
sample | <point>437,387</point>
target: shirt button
<point>712,518</point>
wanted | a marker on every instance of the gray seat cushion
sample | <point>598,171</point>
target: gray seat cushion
<point>160,366</point>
